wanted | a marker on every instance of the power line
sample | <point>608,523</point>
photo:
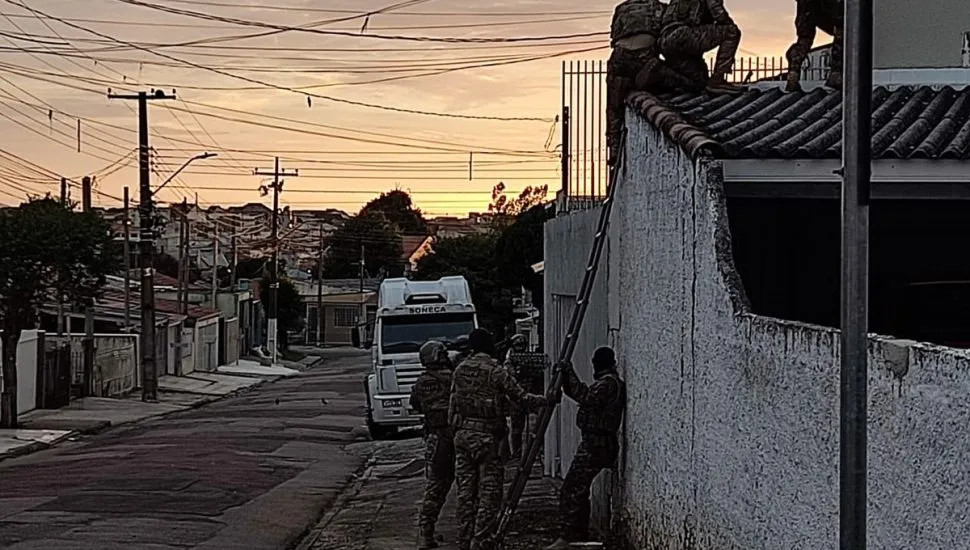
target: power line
<point>419,14</point>
<point>310,30</point>
<point>277,86</point>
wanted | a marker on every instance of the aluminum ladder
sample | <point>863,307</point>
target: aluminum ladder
<point>565,353</point>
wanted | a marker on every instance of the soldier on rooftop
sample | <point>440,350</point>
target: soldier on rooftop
<point>810,15</point>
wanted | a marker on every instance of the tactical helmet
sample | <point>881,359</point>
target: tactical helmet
<point>481,341</point>
<point>433,354</point>
<point>519,342</point>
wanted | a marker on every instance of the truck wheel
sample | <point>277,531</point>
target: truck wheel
<point>377,432</point>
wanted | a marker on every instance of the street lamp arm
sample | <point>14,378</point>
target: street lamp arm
<point>183,167</point>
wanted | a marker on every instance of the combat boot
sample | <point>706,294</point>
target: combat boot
<point>426,538</point>
<point>718,84</point>
<point>793,83</point>
<point>560,544</point>
<point>834,80</point>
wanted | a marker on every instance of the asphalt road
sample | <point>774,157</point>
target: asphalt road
<point>254,471</point>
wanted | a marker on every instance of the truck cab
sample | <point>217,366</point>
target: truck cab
<point>409,313</point>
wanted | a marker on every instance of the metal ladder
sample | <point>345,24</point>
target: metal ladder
<point>565,353</point>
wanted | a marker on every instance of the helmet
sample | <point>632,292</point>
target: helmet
<point>433,354</point>
<point>481,341</point>
<point>461,343</point>
<point>519,342</point>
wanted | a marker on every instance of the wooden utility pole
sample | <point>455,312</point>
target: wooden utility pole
<point>320,316</point>
<point>88,342</point>
<point>363,307</point>
<point>181,262</point>
<point>274,282</point>
<point>232,268</point>
<point>146,242</point>
<point>127,222</point>
<point>60,295</point>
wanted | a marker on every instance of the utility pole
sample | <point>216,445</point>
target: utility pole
<point>363,307</point>
<point>274,282</point>
<point>320,316</point>
<point>181,262</point>
<point>127,221</point>
<point>856,178</point>
<point>88,342</point>
<point>60,295</point>
<point>215,266</point>
<point>146,242</point>
<point>232,269</point>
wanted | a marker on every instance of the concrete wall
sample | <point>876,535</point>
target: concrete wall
<point>28,354</point>
<point>731,431</point>
<point>901,40</point>
<point>116,361</point>
<point>207,345</point>
<point>568,238</point>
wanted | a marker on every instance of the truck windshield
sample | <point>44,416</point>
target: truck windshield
<point>407,333</point>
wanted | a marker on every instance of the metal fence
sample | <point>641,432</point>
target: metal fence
<point>583,151</point>
<point>584,170</point>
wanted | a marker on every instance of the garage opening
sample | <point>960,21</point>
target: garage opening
<point>788,253</point>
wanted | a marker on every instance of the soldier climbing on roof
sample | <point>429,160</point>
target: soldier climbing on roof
<point>635,63</point>
<point>811,15</point>
<point>692,28</point>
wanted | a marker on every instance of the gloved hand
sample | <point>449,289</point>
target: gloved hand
<point>554,397</point>
<point>564,365</point>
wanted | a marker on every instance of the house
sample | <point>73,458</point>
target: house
<point>719,290</point>
<point>342,305</point>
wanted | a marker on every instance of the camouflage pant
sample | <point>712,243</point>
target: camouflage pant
<point>480,474</point>
<point>439,458</point>
<point>798,51</point>
<point>689,42</point>
<point>592,456</point>
<point>628,70</point>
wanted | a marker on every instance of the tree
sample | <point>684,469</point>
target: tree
<point>506,208</point>
<point>289,308</point>
<point>473,257</point>
<point>383,248</point>
<point>398,208</point>
<point>45,248</point>
<point>519,247</point>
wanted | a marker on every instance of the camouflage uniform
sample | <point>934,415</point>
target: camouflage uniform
<point>430,396</point>
<point>600,415</point>
<point>827,15</point>
<point>479,390</point>
<point>692,28</point>
<point>635,62</point>
<point>517,363</point>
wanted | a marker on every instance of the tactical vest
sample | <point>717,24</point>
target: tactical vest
<point>691,13</point>
<point>435,397</point>
<point>478,400</point>
<point>608,419</point>
<point>635,17</point>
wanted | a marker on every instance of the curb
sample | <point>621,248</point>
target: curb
<point>35,446</point>
<point>361,475</point>
<point>107,425</point>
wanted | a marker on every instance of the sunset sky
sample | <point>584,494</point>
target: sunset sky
<point>56,70</point>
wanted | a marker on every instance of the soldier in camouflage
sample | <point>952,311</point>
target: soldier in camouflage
<point>430,396</point>
<point>635,63</point>
<point>692,28</point>
<point>476,413</point>
<point>827,15</point>
<point>600,415</point>
<point>525,379</point>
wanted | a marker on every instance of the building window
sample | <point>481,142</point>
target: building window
<point>344,317</point>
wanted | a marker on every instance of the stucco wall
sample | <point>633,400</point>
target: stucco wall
<point>732,430</point>
<point>116,361</point>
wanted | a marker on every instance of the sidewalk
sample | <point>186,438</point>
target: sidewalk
<point>379,512</point>
<point>44,428</point>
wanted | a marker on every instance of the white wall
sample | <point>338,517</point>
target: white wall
<point>28,353</point>
<point>731,437</point>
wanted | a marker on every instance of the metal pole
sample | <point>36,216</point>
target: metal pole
<point>565,155</point>
<point>215,267</point>
<point>60,296</point>
<point>853,487</point>
<point>320,317</point>
<point>127,252</point>
<point>363,308</point>
<point>88,342</point>
<point>181,269</point>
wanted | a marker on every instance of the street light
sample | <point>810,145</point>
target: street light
<point>188,162</point>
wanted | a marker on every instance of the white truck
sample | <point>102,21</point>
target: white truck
<point>409,313</point>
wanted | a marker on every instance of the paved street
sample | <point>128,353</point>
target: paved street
<point>253,471</point>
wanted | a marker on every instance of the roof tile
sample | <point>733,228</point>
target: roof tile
<point>919,122</point>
